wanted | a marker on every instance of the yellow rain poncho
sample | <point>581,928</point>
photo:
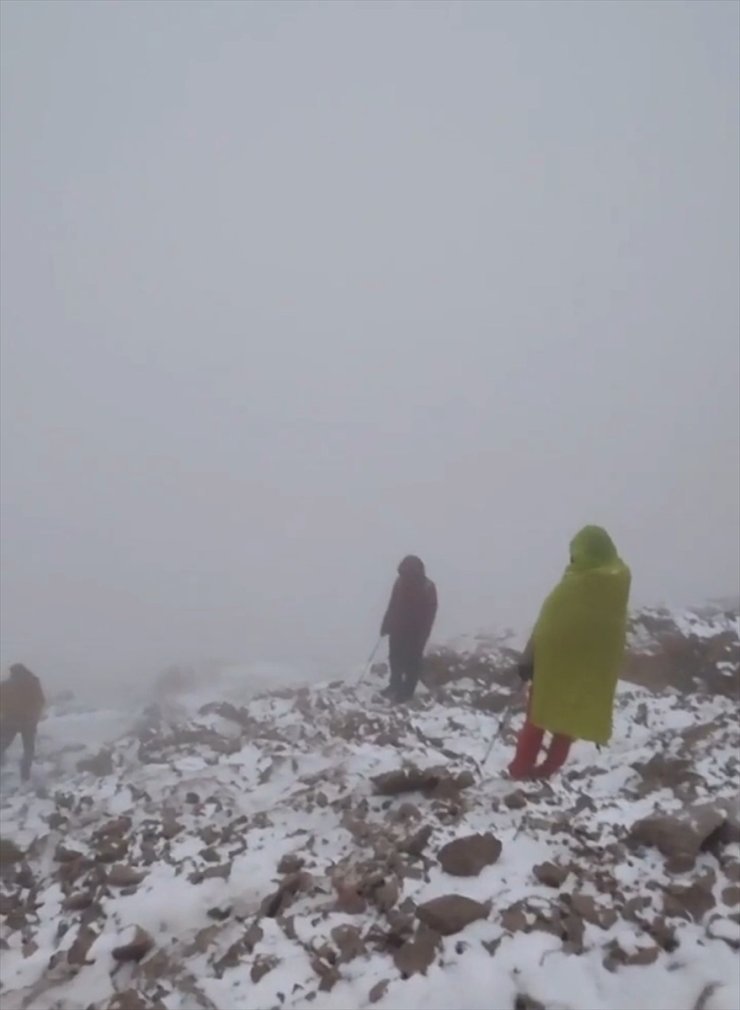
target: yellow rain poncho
<point>579,640</point>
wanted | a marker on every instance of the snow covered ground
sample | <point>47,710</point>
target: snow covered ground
<point>248,857</point>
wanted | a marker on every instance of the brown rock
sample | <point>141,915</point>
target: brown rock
<point>664,772</point>
<point>65,855</point>
<point>136,949</point>
<point>615,957</point>
<point>680,837</point>
<point>263,964</point>
<point>525,1002</point>
<point>415,844</point>
<point>516,800</point>
<point>349,942</point>
<point>290,885</point>
<point>130,999</point>
<point>115,828</point>
<point>378,991</point>
<point>77,953</point>
<point>387,895</point>
<point>681,862</point>
<point>414,779</point>
<point>663,934</point>
<point>731,896</point>
<point>291,863</point>
<point>171,827</point>
<point>9,852</point>
<point>416,955</point>
<point>692,902</point>
<point>451,913</point>
<point>78,901</point>
<point>121,875</point>
<point>466,857</point>
<point>100,764</point>
<point>551,874</point>
<point>9,903</point>
<point>327,973</point>
<point>514,919</point>
<point>209,855</point>
<point>349,900</point>
<point>585,907</point>
<point>223,872</point>
<point>732,870</point>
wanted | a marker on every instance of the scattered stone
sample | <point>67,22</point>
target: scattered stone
<point>171,827</point>
<point>451,913</point>
<point>121,875</point>
<point>78,901</point>
<point>378,991</point>
<point>551,874</point>
<point>681,837</point>
<point>692,902</point>
<point>387,895</point>
<point>585,907</point>
<point>64,855</point>
<point>263,964</point>
<point>291,863</point>
<point>732,870</point>
<point>290,886</point>
<point>327,973</point>
<point>77,953</point>
<point>415,844</point>
<point>615,957</point>
<point>525,1002</point>
<point>9,852</point>
<point>731,895</point>
<point>516,800</point>
<point>428,780</point>
<point>416,955</point>
<point>467,856</point>
<point>100,764</point>
<point>349,942</point>
<point>514,919</point>
<point>130,999</point>
<point>116,828</point>
<point>136,949</point>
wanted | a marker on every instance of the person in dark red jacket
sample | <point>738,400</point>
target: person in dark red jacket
<point>408,624</point>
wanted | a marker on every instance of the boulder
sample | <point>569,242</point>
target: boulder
<point>467,856</point>
<point>121,875</point>
<point>682,836</point>
<point>551,874</point>
<point>417,954</point>
<point>692,902</point>
<point>428,780</point>
<point>451,913</point>
<point>137,947</point>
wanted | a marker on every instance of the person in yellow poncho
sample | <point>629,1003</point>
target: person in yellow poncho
<point>574,656</point>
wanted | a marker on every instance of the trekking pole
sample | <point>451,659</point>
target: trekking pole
<point>371,657</point>
<point>503,723</point>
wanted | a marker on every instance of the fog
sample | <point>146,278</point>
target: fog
<point>291,290</point>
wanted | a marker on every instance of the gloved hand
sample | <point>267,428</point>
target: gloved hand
<point>525,671</point>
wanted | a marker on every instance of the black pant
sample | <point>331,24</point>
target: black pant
<point>405,659</point>
<point>8,733</point>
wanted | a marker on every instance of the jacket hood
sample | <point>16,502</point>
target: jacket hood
<point>412,567</point>
<point>592,547</point>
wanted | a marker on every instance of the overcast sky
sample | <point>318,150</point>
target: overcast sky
<point>292,289</point>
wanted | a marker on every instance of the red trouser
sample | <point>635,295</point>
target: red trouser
<point>529,744</point>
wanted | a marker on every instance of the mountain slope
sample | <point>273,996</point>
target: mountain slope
<point>249,857</point>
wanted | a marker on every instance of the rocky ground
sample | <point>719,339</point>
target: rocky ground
<point>313,848</point>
